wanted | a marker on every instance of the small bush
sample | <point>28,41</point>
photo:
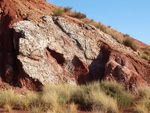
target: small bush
<point>118,37</point>
<point>147,50</point>
<point>144,92</point>
<point>66,9</point>
<point>102,103</point>
<point>32,99</point>
<point>143,106</point>
<point>118,92</point>
<point>88,21</point>
<point>144,56</point>
<point>78,15</point>
<point>50,100</point>
<point>97,25</point>
<point>131,43</point>
<point>8,98</point>
<point>79,96</point>
<point>58,12</point>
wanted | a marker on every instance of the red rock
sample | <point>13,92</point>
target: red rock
<point>79,51</point>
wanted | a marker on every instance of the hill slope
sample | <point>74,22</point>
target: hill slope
<point>45,48</point>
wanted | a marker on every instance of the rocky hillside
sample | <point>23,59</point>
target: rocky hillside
<point>37,48</point>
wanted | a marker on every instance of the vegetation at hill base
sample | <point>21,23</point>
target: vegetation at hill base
<point>104,97</point>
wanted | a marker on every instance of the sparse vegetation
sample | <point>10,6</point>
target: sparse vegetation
<point>147,50</point>
<point>118,92</point>
<point>144,56</point>
<point>8,99</point>
<point>105,97</point>
<point>54,98</point>
<point>130,42</point>
<point>102,102</point>
<point>68,8</point>
<point>78,15</point>
<point>107,29</point>
<point>119,37</point>
<point>88,21</point>
<point>58,12</point>
<point>143,106</point>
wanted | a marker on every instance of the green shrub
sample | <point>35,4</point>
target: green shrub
<point>144,56</point>
<point>91,97</point>
<point>66,9</point>
<point>117,37</point>
<point>78,15</point>
<point>118,92</point>
<point>131,43</point>
<point>58,12</point>
<point>102,103</point>
<point>147,50</point>
<point>79,96</point>
<point>97,97</point>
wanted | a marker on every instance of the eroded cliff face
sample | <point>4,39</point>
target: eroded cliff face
<point>12,11</point>
<point>40,49</point>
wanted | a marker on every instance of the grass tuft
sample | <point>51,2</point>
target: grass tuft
<point>102,103</point>
<point>68,8</point>
<point>78,15</point>
<point>144,56</point>
<point>73,108</point>
<point>107,96</point>
<point>117,91</point>
<point>140,108</point>
<point>143,106</point>
<point>130,42</point>
<point>58,12</point>
<point>8,99</point>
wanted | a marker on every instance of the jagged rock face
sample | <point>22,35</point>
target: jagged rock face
<point>12,11</point>
<point>44,49</point>
<point>127,70</point>
<point>57,50</point>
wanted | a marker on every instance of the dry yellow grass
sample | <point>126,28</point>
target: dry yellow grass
<point>54,97</point>
<point>102,102</point>
<point>8,98</point>
<point>58,12</point>
<point>143,106</point>
<point>140,108</point>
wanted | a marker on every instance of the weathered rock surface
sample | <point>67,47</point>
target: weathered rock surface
<point>51,54</point>
<point>57,50</point>
<point>36,49</point>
